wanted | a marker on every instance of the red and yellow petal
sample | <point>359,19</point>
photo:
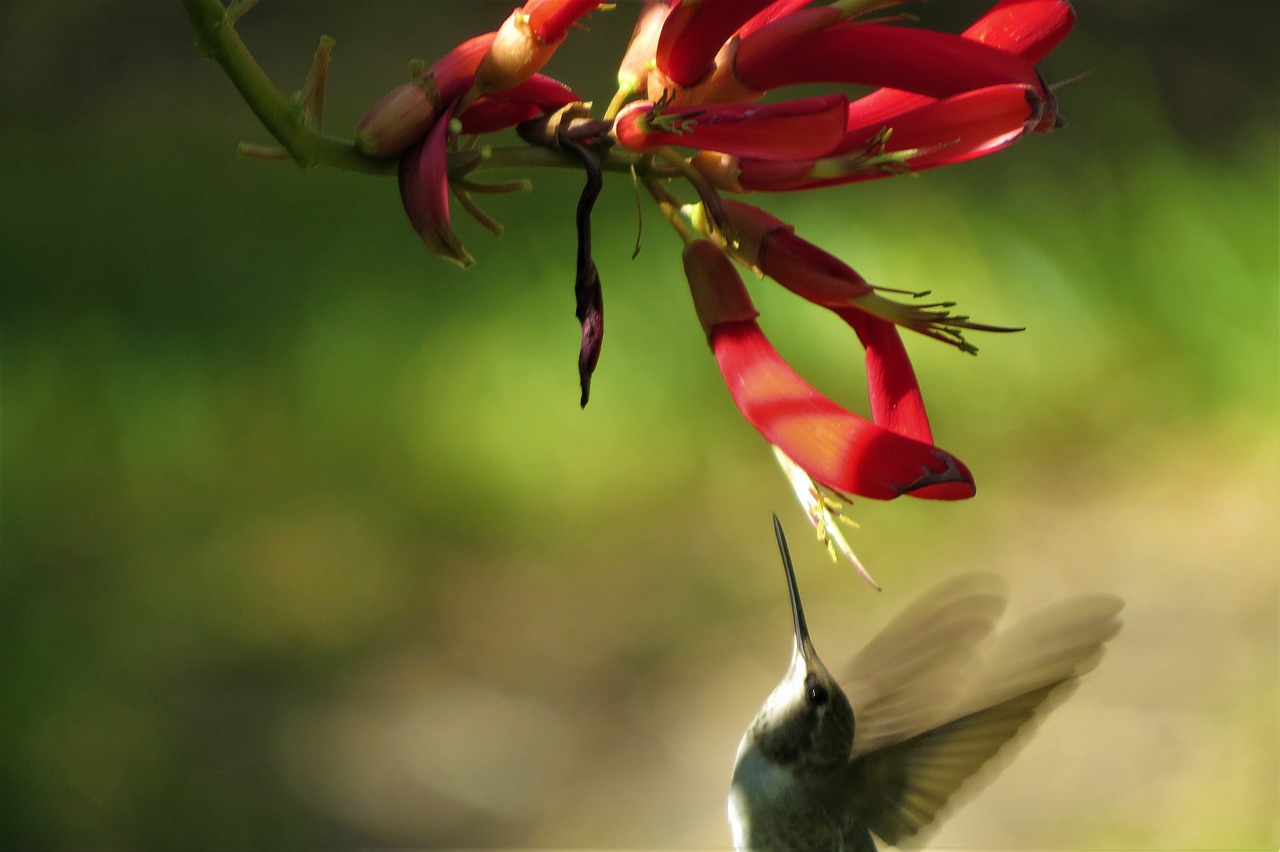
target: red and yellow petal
<point>526,40</point>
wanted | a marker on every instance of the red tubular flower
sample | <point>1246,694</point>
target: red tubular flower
<point>937,133</point>
<point>1026,28</point>
<point>768,131</point>
<point>839,449</point>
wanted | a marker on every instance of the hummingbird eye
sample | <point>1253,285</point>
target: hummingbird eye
<point>817,694</point>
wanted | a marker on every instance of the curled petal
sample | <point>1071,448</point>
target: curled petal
<point>768,131</point>
<point>694,32</point>
<point>424,191</point>
<point>839,449</point>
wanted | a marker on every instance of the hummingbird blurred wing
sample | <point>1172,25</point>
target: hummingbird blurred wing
<point>902,787</point>
<point>1059,642</point>
<point>907,678</point>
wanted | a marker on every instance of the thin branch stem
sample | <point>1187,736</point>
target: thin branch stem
<point>216,37</point>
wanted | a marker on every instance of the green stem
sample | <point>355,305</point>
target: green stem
<point>216,37</point>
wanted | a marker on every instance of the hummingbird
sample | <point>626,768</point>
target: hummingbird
<point>931,700</point>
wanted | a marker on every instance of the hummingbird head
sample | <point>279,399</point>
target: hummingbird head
<point>806,720</point>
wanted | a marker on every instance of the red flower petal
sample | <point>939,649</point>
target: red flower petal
<point>695,31</point>
<point>1029,28</point>
<point>958,128</point>
<point>773,41</point>
<point>810,272</point>
<point>768,131</point>
<point>922,61</point>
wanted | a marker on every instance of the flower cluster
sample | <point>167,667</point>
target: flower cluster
<point>692,105</point>
<point>690,99</point>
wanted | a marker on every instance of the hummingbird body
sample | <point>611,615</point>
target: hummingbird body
<point>931,701</point>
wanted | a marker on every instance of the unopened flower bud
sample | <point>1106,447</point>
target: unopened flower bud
<point>400,118</point>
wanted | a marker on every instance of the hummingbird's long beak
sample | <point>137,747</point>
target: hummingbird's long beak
<point>803,646</point>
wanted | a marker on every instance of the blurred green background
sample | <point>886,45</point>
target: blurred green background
<point>307,544</point>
